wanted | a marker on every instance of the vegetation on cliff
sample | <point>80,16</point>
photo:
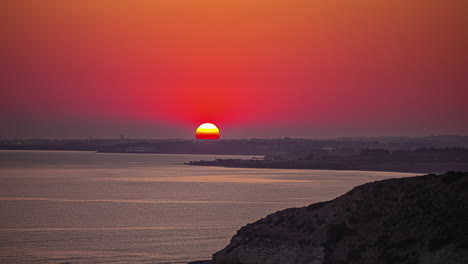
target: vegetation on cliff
<point>420,219</point>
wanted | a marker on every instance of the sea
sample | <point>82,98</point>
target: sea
<point>87,207</point>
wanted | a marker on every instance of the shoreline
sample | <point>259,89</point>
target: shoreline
<point>394,220</point>
<point>406,167</point>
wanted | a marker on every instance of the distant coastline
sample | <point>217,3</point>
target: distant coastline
<point>433,154</point>
<point>355,163</point>
<point>254,146</point>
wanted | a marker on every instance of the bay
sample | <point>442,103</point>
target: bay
<point>87,207</point>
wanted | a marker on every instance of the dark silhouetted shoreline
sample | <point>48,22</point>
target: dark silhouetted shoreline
<point>404,220</point>
<point>418,161</point>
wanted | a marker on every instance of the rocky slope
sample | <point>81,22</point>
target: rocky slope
<point>420,219</point>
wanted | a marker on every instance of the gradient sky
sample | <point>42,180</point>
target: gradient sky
<point>255,68</point>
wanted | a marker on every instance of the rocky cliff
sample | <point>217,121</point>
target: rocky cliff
<point>420,219</point>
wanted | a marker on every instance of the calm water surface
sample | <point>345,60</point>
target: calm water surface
<point>86,207</point>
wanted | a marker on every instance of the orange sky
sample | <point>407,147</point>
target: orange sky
<point>158,69</point>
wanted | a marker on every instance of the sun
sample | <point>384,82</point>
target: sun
<point>207,131</point>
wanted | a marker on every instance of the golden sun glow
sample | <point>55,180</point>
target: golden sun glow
<point>207,131</point>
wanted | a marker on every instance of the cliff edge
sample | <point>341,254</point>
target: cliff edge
<point>421,219</point>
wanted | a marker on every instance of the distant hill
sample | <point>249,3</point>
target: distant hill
<point>253,146</point>
<point>420,219</point>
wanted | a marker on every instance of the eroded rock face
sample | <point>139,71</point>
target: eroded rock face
<point>420,219</point>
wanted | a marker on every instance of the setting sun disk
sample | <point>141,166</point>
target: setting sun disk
<point>207,131</point>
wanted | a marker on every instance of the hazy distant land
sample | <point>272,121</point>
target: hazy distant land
<point>423,160</point>
<point>433,154</point>
<point>320,147</point>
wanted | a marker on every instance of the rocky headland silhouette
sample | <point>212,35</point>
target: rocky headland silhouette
<point>421,219</point>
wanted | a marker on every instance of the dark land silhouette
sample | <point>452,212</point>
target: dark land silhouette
<point>420,219</point>
<point>433,154</point>
<point>423,160</point>
<point>319,147</point>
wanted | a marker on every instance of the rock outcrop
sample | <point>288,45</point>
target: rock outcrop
<point>420,219</point>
